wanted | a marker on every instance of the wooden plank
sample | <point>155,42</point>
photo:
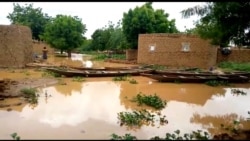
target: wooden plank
<point>202,77</point>
<point>223,77</point>
<point>242,76</point>
<point>182,77</point>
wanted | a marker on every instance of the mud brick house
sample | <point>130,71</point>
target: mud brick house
<point>176,50</point>
<point>15,46</point>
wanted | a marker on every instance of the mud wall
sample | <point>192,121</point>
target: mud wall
<point>15,46</point>
<point>237,55</point>
<point>131,54</point>
<point>169,50</point>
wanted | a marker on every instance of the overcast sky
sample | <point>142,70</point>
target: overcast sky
<point>97,14</point>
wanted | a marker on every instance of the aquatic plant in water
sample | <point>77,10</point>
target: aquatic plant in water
<point>238,92</point>
<point>30,95</point>
<point>215,83</point>
<point>194,135</point>
<point>133,81</point>
<point>15,136</point>
<point>120,78</point>
<point>78,79</point>
<point>125,137</point>
<point>138,118</point>
<point>149,100</point>
<point>49,74</point>
<point>234,128</point>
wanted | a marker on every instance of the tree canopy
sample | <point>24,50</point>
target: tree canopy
<point>31,17</point>
<point>223,22</point>
<point>65,33</point>
<point>109,37</point>
<point>145,19</point>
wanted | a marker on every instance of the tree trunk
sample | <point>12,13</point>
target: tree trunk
<point>69,53</point>
<point>61,51</point>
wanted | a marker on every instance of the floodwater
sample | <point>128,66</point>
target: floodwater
<point>83,60</point>
<point>88,110</point>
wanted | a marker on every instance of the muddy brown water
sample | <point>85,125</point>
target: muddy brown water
<point>88,110</point>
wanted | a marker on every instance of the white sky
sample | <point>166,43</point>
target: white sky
<point>97,14</point>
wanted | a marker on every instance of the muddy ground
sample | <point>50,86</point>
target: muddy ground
<point>12,88</point>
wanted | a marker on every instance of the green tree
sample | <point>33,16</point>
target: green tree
<point>110,37</point>
<point>31,17</point>
<point>117,40</point>
<point>222,22</point>
<point>65,33</point>
<point>99,40</point>
<point>145,19</point>
<point>86,46</point>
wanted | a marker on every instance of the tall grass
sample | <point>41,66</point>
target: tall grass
<point>112,56</point>
<point>235,66</point>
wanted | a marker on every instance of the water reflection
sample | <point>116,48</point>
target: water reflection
<point>213,122</point>
<point>88,110</point>
<point>82,60</point>
<point>14,104</point>
<point>185,101</point>
<point>188,93</point>
<point>233,108</point>
<point>92,102</point>
<point>70,87</point>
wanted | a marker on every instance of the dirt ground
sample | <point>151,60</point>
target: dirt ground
<point>13,87</point>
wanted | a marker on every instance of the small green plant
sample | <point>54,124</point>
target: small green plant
<point>195,135</point>
<point>150,100</point>
<point>11,70</point>
<point>134,118</point>
<point>38,69</point>
<point>120,78</point>
<point>215,83</point>
<point>249,115</point>
<point>30,95</point>
<point>15,136</point>
<point>177,81</point>
<point>125,137</point>
<point>238,92</point>
<point>158,67</point>
<point>61,82</point>
<point>133,81</point>
<point>235,66</point>
<point>99,57</point>
<point>234,128</point>
<point>78,79</point>
<point>50,74</point>
<point>138,118</point>
<point>27,73</point>
<point>118,56</point>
